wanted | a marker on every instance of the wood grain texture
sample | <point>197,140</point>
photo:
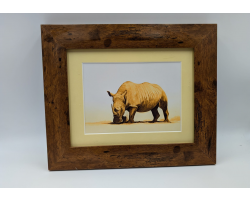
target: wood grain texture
<point>56,39</point>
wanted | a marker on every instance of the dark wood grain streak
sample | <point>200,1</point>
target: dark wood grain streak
<point>205,82</point>
<point>56,39</point>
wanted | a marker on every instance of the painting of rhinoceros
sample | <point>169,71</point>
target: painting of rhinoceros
<point>124,98</point>
<point>135,97</point>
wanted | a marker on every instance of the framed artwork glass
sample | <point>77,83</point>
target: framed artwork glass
<point>121,96</point>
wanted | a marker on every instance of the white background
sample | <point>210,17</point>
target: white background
<point>23,159</point>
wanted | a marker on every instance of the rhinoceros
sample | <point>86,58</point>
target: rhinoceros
<point>138,98</point>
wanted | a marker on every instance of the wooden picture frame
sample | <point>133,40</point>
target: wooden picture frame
<point>57,39</point>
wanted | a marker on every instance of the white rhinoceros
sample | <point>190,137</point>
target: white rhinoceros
<point>138,98</point>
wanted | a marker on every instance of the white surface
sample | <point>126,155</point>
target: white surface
<point>23,158</point>
<point>24,164</point>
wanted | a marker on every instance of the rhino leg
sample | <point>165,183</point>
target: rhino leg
<point>124,118</point>
<point>166,114</point>
<point>132,112</point>
<point>155,113</point>
<point>164,107</point>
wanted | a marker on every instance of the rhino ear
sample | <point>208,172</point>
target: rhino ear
<point>124,93</point>
<point>110,94</point>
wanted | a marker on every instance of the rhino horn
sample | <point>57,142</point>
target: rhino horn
<point>112,107</point>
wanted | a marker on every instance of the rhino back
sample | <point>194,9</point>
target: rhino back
<point>145,95</point>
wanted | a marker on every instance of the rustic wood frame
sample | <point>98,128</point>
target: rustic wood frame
<point>57,39</point>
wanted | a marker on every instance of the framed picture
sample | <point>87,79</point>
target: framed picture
<point>129,95</point>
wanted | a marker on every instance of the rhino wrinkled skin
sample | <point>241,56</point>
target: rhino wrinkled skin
<point>138,98</point>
